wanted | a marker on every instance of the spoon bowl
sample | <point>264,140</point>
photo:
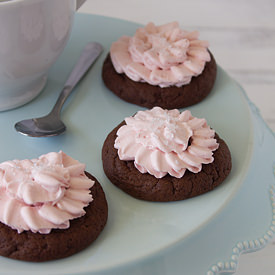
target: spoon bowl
<point>48,125</point>
<point>51,124</point>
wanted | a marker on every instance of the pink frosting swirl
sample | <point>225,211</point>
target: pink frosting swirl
<point>166,141</point>
<point>160,55</point>
<point>43,194</point>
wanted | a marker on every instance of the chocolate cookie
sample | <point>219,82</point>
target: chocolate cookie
<point>124,175</point>
<point>59,243</point>
<point>147,95</point>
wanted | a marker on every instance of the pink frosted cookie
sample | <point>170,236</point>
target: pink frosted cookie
<point>50,208</point>
<point>162,155</point>
<point>160,66</point>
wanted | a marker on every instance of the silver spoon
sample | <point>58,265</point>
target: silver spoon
<point>51,124</point>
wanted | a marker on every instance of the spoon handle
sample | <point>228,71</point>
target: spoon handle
<point>86,59</point>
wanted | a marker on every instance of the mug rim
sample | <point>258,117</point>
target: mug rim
<point>13,2</point>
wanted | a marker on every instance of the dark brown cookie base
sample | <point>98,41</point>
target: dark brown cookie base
<point>59,243</point>
<point>124,175</point>
<point>147,95</point>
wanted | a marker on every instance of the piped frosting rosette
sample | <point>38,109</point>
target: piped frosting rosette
<point>166,141</point>
<point>160,55</point>
<point>43,194</point>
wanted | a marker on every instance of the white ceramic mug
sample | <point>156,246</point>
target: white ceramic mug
<point>33,33</point>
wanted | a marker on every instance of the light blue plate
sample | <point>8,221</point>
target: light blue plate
<point>201,235</point>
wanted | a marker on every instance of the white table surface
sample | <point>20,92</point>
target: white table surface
<point>242,38</point>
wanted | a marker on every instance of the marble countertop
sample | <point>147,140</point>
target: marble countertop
<point>242,37</point>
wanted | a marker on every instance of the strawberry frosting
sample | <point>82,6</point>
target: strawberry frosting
<point>162,142</point>
<point>43,194</point>
<point>160,55</point>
